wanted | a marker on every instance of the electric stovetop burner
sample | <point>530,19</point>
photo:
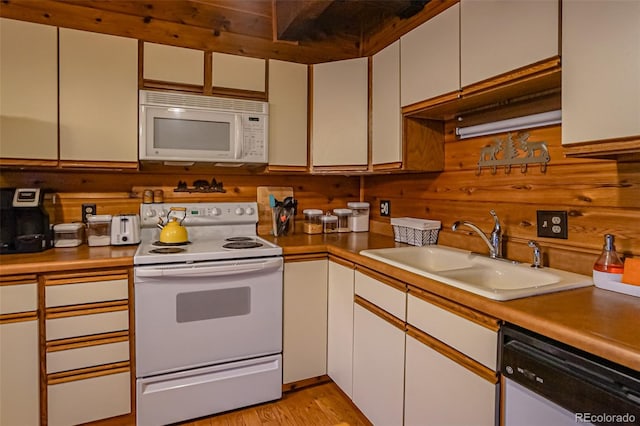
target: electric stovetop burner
<point>161,244</point>
<point>167,250</point>
<point>241,243</point>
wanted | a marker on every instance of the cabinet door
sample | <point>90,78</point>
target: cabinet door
<point>439,391</point>
<point>238,72</point>
<point>98,97</point>
<point>386,136</point>
<point>20,378</point>
<point>497,36</point>
<point>378,368</point>
<point>304,353</point>
<point>600,70</point>
<point>173,64</point>
<point>287,114</point>
<point>340,113</point>
<point>340,327</point>
<point>430,58</point>
<point>28,90</point>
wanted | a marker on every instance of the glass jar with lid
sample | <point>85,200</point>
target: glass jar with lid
<point>329,224</point>
<point>312,221</point>
<point>344,216</point>
<point>99,230</point>
<point>359,219</point>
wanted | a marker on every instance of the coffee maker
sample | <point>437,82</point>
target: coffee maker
<point>24,223</point>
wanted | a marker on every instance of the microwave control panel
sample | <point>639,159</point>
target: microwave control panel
<point>254,130</point>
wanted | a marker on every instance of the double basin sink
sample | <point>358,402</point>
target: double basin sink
<point>496,279</point>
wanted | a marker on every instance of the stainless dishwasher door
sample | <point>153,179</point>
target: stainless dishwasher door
<point>549,383</point>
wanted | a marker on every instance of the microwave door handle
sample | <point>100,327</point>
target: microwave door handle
<point>209,271</point>
<point>239,137</point>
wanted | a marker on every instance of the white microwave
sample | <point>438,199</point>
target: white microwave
<point>184,129</point>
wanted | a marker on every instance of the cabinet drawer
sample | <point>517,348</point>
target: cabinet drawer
<point>18,298</point>
<point>470,338</point>
<point>87,400</point>
<point>88,356</point>
<point>86,292</point>
<point>85,325</point>
<point>381,294</point>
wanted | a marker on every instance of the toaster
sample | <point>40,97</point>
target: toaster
<point>125,229</point>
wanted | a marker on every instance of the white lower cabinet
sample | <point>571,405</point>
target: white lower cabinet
<point>378,368</point>
<point>88,346</point>
<point>440,391</point>
<point>378,347</point>
<point>20,375</point>
<point>85,400</point>
<point>304,353</point>
<point>340,326</point>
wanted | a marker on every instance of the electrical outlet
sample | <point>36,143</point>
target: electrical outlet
<point>385,208</point>
<point>88,209</point>
<point>552,224</point>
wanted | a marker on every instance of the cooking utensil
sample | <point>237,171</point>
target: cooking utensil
<point>172,231</point>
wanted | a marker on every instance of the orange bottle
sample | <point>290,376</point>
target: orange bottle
<point>609,267</point>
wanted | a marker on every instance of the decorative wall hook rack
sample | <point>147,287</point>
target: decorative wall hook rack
<point>507,152</point>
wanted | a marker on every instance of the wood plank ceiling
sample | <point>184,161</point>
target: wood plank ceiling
<point>305,31</point>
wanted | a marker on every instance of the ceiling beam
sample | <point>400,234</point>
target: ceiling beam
<point>293,18</point>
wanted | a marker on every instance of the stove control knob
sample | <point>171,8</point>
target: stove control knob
<point>250,210</point>
<point>215,211</point>
<point>239,211</point>
<point>150,213</point>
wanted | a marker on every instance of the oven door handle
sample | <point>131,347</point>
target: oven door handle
<point>209,271</point>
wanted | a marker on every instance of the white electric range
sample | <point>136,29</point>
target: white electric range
<point>208,314</point>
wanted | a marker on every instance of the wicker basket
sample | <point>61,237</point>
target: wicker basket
<point>417,232</point>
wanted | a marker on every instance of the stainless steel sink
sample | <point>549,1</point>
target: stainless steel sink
<point>491,278</point>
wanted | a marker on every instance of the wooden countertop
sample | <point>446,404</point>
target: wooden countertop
<point>598,321</point>
<point>65,259</point>
<point>601,322</point>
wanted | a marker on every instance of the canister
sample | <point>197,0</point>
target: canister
<point>68,234</point>
<point>359,219</point>
<point>329,224</point>
<point>344,217</point>
<point>99,230</point>
<point>312,221</point>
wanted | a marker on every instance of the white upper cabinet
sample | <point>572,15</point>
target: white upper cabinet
<point>386,138</point>
<point>28,90</point>
<point>340,113</point>
<point>238,72</point>
<point>498,36</point>
<point>173,64</point>
<point>98,97</point>
<point>600,70</point>
<point>287,114</point>
<point>430,58</point>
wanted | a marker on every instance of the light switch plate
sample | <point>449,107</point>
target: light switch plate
<point>552,224</point>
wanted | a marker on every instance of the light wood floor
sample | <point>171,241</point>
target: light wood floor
<point>320,405</point>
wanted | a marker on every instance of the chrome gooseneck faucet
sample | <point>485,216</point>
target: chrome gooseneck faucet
<point>494,242</point>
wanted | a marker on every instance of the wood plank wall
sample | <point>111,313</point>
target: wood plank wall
<point>600,196</point>
<point>121,192</point>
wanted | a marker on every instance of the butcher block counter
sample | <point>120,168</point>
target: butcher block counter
<point>598,321</point>
<point>67,259</point>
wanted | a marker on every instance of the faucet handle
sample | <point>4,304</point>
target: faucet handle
<point>537,257</point>
<point>496,220</point>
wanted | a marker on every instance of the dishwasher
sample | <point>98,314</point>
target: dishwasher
<point>545,382</point>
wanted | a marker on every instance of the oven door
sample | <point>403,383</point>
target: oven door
<point>192,315</point>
